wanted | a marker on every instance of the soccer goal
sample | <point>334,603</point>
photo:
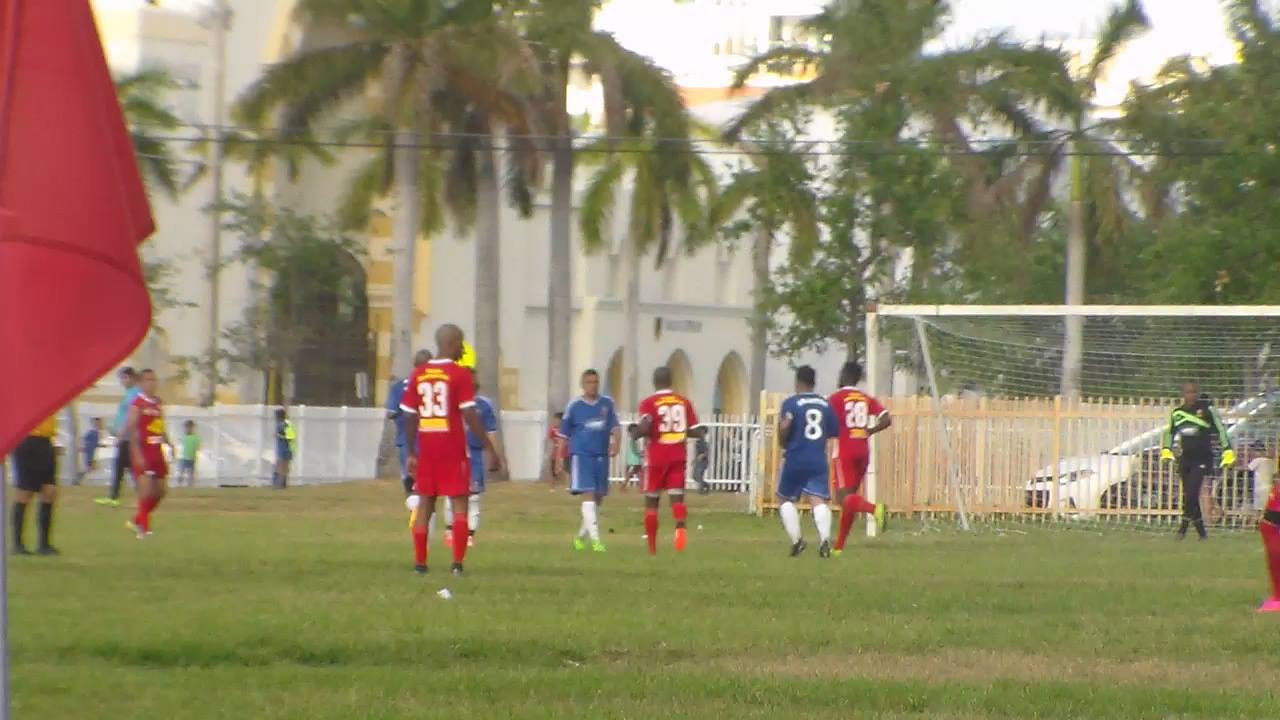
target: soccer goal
<point>1056,413</point>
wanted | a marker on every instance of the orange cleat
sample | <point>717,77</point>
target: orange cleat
<point>682,538</point>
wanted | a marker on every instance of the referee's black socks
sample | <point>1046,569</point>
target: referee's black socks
<point>45,523</point>
<point>19,519</point>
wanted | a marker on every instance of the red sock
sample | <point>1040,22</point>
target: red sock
<point>680,512</point>
<point>419,545</point>
<point>651,529</point>
<point>143,518</point>
<point>1271,541</point>
<point>848,511</point>
<point>459,536</point>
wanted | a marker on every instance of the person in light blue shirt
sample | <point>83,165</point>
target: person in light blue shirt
<point>129,379</point>
<point>590,427</point>
<point>475,456</point>
<point>807,423</point>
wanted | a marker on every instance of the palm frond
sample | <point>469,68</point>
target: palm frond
<point>368,183</point>
<point>789,55</point>
<point>597,202</point>
<point>771,104</point>
<point>1123,24</point>
<point>1249,21</point>
<point>310,84</point>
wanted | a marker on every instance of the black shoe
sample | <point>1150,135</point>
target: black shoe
<point>798,547</point>
<point>48,550</point>
<point>1204,537</point>
<point>1182,535</point>
<point>21,550</point>
<point>824,550</point>
<point>420,569</point>
<point>456,569</point>
<point>704,488</point>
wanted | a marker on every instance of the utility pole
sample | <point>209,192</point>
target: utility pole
<point>1077,249</point>
<point>219,21</point>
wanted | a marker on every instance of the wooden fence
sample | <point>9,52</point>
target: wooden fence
<point>1031,457</point>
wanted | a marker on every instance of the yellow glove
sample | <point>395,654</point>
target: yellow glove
<point>1166,454</point>
<point>1228,458</point>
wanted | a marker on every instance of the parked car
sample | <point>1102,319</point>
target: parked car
<point>1132,476</point>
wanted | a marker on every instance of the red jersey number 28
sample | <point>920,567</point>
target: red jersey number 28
<point>855,415</point>
<point>435,399</point>
<point>672,419</point>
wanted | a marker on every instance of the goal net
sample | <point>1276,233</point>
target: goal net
<point>1056,414</point>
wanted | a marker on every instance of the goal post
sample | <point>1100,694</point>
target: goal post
<point>996,418</point>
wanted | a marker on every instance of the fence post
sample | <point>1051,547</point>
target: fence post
<point>1057,454</point>
<point>216,417</point>
<point>342,444</point>
<point>300,452</point>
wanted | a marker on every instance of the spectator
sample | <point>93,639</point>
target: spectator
<point>701,461</point>
<point>129,379</point>
<point>635,462</point>
<point>395,395</point>
<point>286,439</point>
<point>190,451</point>
<point>89,447</point>
<point>557,450</point>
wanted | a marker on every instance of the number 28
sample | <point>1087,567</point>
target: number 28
<point>855,415</point>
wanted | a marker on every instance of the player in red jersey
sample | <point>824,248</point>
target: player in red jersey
<point>1269,528</point>
<point>860,416</point>
<point>667,421</point>
<point>146,436</point>
<point>438,399</point>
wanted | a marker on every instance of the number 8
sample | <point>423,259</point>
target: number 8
<point>813,424</point>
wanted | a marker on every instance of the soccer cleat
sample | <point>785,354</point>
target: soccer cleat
<point>798,547</point>
<point>107,501</point>
<point>837,552</point>
<point>420,569</point>
<point>882,517</point>
<point>136,529</point>
<point>1270,605</point>
<point>578,544</point>
<point>597,547</point>
<point>21,550</point>
<point>456,569</point>
<point>681,539</point>
<point>48,550</point>
<point>824,550</point>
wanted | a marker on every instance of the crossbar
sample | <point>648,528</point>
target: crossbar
<point>1076,310</point>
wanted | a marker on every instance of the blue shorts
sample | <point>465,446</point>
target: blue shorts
<point>186,464</point>
<point>477,471</point>
<point>589,474</point>
<point>798,480</point>
<point>284,452</point>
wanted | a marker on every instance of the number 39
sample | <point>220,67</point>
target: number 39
<point>435,399</point>
<point>672,419</point>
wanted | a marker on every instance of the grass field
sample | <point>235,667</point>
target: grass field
<point>249,604</point>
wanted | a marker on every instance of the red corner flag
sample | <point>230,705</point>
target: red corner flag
<point>72,212</point>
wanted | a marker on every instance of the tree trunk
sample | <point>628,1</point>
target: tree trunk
<point>631,322</point>
<point>1077,248</point>
<point>404,236</point>
<point>488,341</point>
<point>560,277</point>
<point>759,333</point>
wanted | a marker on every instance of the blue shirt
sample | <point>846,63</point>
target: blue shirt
<point>488,418</point>
<point>812,423</point>
<point>589,425</point>
<point>394,397</point>
<point>122,411</point>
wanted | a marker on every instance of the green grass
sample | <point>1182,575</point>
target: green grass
<point>254,605</point>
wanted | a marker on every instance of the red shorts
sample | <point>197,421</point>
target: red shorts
<point>850,472</point>
<point>152,462</point>
<point>669,477</point>
<point>443,479</point>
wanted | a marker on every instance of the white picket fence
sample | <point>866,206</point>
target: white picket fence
<point>342,444</point>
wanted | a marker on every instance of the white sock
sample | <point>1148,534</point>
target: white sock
<point>822,520</point>
<point>473,513</point>
<point>790,520</point>
<point>589,520</point>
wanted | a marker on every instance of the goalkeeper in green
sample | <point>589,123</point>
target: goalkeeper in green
<point>1194,424</point>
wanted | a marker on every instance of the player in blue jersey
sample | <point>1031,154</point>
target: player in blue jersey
<point>590,427</point>
<point>806,423</point>
<point>475,455</point>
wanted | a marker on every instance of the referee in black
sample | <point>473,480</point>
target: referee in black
<point>36,464</point>
<point>1194,424</point>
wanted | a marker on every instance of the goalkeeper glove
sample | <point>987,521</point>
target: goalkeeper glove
<point>1166,454</point>
<point>1228,458</point>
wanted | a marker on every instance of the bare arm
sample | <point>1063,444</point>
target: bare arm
<point>615,441</point>
<point>641,427</point>
<point>883,423</point>
<point>698,431</point>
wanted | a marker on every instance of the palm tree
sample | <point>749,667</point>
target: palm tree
<point>670,183</point>
<point>420,57</point>
<point>141,97</point>
<point>562,35</point>
<point>776,191</point>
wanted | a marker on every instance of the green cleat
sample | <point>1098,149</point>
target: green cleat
<point>597,547</point>
<point>837,552</point>
<point>107,501</point>
<point>579,545</point>
<point>882,517</point>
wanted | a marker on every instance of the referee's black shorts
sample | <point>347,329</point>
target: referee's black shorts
<point>35,463</point>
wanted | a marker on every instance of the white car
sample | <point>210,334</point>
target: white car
<point>1127,476</point>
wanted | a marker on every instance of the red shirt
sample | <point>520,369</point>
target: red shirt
<point>1273,502</point>
<point>150,420</point>
<point>437,392</point>
<point>671,417</point>
<point>856,411</point>
<point>553,434</point>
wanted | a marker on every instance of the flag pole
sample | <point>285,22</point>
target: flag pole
<point>7,70</point>
<point>4,592</point>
